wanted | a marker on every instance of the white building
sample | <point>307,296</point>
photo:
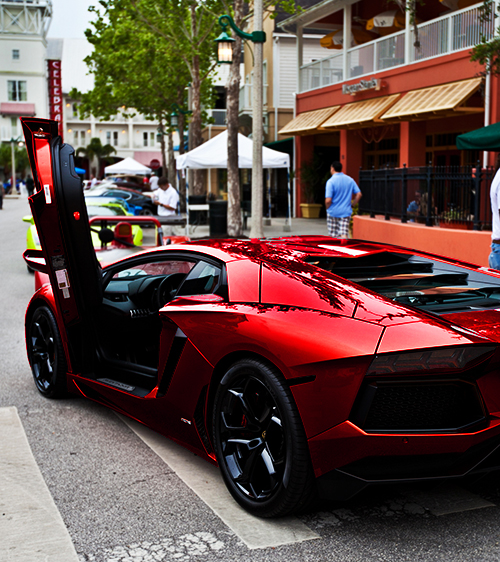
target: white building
<point>23,74</point>
<point>24,87</point>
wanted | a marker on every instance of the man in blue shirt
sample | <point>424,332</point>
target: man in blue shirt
<point>341,194</point>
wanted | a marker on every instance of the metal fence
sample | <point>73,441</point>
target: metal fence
<point>451,196</point>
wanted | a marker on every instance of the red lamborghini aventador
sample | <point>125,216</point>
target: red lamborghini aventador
<point>297,365</point>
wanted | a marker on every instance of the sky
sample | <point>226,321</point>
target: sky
<point>70,18</point>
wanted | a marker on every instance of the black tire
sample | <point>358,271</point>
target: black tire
<point>147,212</point>
<point>46,353</point>
<point>260,442</point>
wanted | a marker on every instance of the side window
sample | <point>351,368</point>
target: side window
<point>155,268</point>
<point>203,279</point>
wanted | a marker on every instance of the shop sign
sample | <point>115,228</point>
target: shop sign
<point>361,86</point>
<point>55,92</point>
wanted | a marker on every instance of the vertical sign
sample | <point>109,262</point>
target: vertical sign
<point>55,93</point>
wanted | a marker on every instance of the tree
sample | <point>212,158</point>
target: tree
<point>134,72</point>
<point>96,150</point>
<point>487,52</point>
<point>241,17</point>
<point>21,157</point>
<point>188,28</point>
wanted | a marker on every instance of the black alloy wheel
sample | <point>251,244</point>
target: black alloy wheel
<point>46,353</point>
<point>259,441</point>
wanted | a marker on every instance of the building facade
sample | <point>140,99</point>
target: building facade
<point>23,72</point>
<point>396,96</point>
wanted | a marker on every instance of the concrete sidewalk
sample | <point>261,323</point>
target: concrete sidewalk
<point>276,229</point>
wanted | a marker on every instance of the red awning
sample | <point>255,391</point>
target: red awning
<point>17,108</point>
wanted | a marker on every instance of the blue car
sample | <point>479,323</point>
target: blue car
<point>138,203</point>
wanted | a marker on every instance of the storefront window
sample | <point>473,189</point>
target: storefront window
<point>383,154</point>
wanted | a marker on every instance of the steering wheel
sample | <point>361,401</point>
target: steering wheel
<point>165,291</point>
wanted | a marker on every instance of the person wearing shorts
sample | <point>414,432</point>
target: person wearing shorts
<point>341,193</point>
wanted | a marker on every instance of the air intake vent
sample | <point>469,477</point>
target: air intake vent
<point>421,406</point>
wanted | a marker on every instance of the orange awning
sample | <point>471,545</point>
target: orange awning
<point>437,101</point>
<point>360,113</point>
<point>307,123</point>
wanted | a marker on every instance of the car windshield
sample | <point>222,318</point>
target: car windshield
<point>418,281</point>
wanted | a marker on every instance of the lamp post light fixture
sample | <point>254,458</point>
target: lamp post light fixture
<point>224,55</point>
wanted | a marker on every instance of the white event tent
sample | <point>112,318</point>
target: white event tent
<point>127,166</point>
<point>213,154</point>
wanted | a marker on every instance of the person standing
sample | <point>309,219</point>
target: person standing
<point>30,186</point>
<point>153,182</point>
<point>341,194</point>
<point>167,199</point>
<point>494,257</point>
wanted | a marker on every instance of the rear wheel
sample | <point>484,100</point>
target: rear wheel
<point>46,353</point>
<point>259,441</point>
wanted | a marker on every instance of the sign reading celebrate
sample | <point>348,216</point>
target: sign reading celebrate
<point>361,86</point>
<point>55,92</point>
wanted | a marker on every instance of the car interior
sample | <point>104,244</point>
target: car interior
<point>129,324</point>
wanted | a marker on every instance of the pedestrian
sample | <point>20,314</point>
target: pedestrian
<point>93,181</point>
<point>30,185</point>
<point>153,182</point>
<point>167,199</point>
<point>413,209</point>
<point>341,194</point>
<point>494,258</point>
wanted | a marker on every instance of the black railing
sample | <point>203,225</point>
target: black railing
<point>444,196</point>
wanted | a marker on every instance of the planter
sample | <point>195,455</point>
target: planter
<point>310,210</point>
<point>459,225</point>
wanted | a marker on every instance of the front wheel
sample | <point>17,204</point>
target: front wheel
<point>46,353</point>
<point>259,441</point>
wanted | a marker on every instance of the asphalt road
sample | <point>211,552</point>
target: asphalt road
<point>125,497</point>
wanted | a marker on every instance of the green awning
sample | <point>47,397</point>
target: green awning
<point>486,138</point>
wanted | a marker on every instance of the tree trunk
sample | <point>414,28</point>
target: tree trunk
<point>198,187</point>
<point>182,178</point>
<point>234,225</point>
<point>172,176</point>
<point>164,159</point>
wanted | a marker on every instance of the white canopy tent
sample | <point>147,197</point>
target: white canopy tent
<point>213,154</point>
<point>127,166</point>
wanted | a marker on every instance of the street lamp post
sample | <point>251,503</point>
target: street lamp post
<point>13,142</point>
<point>174,122</point>
<point>258,37</point>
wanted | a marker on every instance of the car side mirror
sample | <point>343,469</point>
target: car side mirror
<point>29,219</point>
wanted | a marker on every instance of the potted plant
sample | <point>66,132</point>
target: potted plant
<point>310,182</point>
<point>455,217</point>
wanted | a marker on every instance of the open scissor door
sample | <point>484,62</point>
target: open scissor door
<point>60,215</point>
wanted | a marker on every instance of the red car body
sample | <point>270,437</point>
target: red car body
<point>302,363</point>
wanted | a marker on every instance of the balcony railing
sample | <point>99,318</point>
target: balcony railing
<point>246,97</point>
<point>454,32</point>
<point>219,116</point>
